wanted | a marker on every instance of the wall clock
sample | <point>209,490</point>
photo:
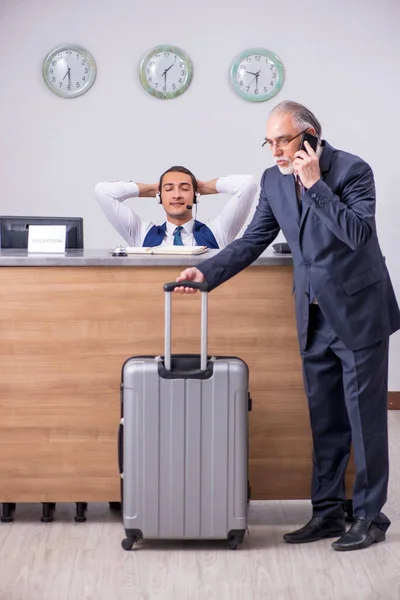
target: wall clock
<point>257,74</point>
<point>166,72</point>
<point>69,71</point>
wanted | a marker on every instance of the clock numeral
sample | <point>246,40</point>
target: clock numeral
<point>53,79</point>
<point>86,70</point>
<point>258,58</point>
<point>265,89</point>
<point>83,62</point>
<point>68,87</point>
<point>173,86</point>
<point>180,64</point>
<point>157,56</point>
<point>147,71</point>
<point>78,85</point>
<point>156,84</point>
<point>164,88</point>
<point>272,83</point>
<point>241,84</point>
<point>166,53</point>
<point>77,55</point>
<point>83,78</point>
<point>248,88</point>
<point>50,71</point>
<point>54,63</point>
<point>256,91</point>
<point>273,75</point>
<point>248,59</point>
<point>61,83</point>
<point>243,67</point>
<point>68,52</point>
<point>150,79</point>
<point>182,72</point>
<point>180,80</point>
<point>272,67</point>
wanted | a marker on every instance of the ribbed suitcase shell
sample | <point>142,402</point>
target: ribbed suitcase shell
<point>185,451</point>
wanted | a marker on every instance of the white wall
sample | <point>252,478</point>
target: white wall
<point>341,60</point>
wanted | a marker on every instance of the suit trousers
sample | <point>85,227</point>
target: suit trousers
<point>348,399</point>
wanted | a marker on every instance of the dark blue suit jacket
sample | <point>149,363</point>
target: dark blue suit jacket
<point>334,245</point>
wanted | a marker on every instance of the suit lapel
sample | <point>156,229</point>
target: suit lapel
<point>324,164</point>
<point>289,193</point>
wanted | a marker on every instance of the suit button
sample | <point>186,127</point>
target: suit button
<point>307,265</point>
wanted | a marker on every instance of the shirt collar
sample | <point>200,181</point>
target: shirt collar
<point>188,227</point>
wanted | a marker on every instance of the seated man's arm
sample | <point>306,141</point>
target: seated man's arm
<point>231,219</point>
<point>111,197</point>
<point>241,253</point>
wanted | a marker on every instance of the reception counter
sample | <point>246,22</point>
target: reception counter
<point>69,322</point>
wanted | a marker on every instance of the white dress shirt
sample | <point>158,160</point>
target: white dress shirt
<point>225,226</point>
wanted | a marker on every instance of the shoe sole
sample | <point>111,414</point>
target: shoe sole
<point>360,547</point>
<point>331,534</point>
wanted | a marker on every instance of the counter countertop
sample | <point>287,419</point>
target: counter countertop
<point>103,258</point>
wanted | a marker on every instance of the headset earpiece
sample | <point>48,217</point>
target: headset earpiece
<point>196,197</point>
<point>158,196</point>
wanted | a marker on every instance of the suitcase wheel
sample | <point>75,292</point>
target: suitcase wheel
<point>235,538</point>
<point>233,543</point>
<point>128,542</point>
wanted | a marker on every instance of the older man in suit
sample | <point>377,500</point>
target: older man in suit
<point>324,201</point>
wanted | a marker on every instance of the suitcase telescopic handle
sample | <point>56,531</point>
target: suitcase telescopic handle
<point>168,288</point>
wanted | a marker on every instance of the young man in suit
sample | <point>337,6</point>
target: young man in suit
<point>324,201</point>
<point>178,191</point>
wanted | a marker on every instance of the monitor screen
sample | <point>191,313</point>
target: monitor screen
<point>14,230</point>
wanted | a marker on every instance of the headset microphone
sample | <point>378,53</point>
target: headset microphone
<point>189,206</point>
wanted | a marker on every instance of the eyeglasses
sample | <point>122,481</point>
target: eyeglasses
<point>282,142</point>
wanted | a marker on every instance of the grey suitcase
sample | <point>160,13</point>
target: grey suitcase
<point>183,443</point>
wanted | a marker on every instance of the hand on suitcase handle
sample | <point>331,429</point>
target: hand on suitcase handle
<point>192,285</point>
<point>189,276</point>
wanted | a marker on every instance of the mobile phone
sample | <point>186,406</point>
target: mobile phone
<point>311,139</point>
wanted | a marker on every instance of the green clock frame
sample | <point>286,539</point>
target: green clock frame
<point>183,56</point>
<point>271,58</point>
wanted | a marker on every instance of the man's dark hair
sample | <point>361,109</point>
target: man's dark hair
<point>179,169</point>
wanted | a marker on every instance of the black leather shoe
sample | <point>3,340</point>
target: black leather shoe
<point>361,534</point>
<point>316,529</point>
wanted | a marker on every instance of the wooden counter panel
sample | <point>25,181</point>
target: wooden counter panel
<point>65,333</point>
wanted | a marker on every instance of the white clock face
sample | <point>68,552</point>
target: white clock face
<point>166,72</point>
<point>69,71</point>
<point>257,75</point>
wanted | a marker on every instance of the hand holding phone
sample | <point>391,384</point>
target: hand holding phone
<point>306,166</point>
<point>311,139</point>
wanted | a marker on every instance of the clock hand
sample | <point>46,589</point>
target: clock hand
<point>170,66</point>
<point>67,73</point>
<point>250,73</point>
<point>256,76</point>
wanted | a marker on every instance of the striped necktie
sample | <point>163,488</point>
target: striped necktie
<point>177,236</point>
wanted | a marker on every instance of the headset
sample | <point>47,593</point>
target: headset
<point>188,206</point>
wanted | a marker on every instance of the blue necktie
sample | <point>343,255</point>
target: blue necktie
<point>300,194</point>
<point>177,236</point>
<point>302,191</point>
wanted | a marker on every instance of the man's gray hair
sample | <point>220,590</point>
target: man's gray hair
<point>302,116</point>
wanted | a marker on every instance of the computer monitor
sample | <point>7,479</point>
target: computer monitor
<point>14,230</point>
